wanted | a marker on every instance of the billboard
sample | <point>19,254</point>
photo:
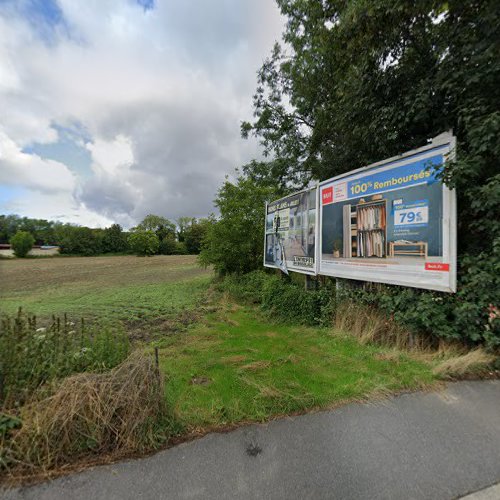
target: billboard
<point>290,235</point>
<point>392,222</point>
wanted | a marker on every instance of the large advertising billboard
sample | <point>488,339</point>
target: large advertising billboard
<point>392,222</point>
<point>290,236</point>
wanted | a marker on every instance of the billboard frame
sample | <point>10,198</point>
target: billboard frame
<point>449,219</point>
<point>314,269</point>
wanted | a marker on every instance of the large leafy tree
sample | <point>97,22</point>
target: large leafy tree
<point>163,227</point>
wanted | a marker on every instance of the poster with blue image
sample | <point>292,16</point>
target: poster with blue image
<point>392,222</point>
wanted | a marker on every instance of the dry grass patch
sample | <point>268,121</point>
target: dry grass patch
<point>460,364</point>
<point>237,359</point>
<point>370,326</point>
<point>256,365</point>
<point>448,359</point>
<point>88,414</point>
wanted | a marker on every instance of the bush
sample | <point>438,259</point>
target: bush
<point>34,355</point>
<point>284,298</point>
<point>22,242</point>
<point>79,240</point>
<point>144,242</point>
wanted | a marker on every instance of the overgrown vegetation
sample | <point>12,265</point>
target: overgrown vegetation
<point>400,319</point>
<point>34,355</point>
<point>282,297</point>
<point>70,394</point>
<point>88,414</point>
<point>339,94</point>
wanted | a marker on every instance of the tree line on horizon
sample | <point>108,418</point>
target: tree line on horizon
<point>153,235</point>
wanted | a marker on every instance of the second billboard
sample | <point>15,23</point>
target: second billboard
<point>290,236</point>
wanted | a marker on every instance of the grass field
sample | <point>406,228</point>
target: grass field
<point>128,288</point>
<point>225,363</point>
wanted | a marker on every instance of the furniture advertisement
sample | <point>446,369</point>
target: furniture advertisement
<point>392,222</point>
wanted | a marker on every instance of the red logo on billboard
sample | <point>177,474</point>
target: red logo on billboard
<point>327,195</point>
<point>436,266</point>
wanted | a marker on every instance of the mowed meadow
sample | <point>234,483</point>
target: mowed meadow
<point>125,288</point>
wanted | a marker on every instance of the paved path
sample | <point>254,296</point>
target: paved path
<point>429,445</point>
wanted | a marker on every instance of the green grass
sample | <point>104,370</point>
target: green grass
<point>130,303</point>
<point>239,367</point>
<point>130,289</point>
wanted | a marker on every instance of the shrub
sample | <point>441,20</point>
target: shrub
<point>144,242</point>
<point>34,355</point>
<point>283,297</point>
<point>78,240</point>
<point>22,242</point>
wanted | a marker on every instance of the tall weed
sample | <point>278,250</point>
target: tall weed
<point>31,355</point>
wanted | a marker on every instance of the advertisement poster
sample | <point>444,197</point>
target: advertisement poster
<point>392,222</point>
<point>290,239</point>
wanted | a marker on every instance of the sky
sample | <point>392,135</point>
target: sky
<point>114,109</point>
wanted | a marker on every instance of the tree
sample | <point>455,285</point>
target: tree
<point>143,242</point>
<point>195,234</point>
<point>160,225</point>
<point>183,224</point>
<point>79,240</point>
<point>234,241</point>
<point>22,242</point>
<point>114,239</point>
<point>357,82</point>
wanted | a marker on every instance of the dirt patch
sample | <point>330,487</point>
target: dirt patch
<point>271,335</point>
<point>146,330</point>
<point>234,359</point>
<point>256,365</point>
<point>200,381</point>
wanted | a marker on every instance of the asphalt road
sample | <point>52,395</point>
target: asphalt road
<point>439,445</point>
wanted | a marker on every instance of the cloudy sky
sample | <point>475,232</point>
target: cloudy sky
<point>113,109</point>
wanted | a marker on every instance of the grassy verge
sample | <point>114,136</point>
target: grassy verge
<point>238,367</point>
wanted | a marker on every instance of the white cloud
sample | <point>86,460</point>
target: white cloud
<point>31,171</point>
<point>160,93</point>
